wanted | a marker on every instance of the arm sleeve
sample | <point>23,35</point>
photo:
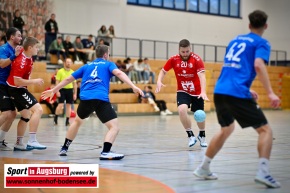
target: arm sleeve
<point>168,65</point>
<point>263,51</point>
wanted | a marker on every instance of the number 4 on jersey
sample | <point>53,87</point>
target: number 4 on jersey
<point>94,73</point>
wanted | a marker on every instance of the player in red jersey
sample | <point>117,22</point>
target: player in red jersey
<point>190,77</point>
<point>23,100</point>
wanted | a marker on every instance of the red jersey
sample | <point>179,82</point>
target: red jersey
<point>186,73</point>
<point>21,67</point>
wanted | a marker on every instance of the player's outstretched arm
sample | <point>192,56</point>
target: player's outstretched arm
<point>159,83</point>
<point>122,76</point>
<point>49,93</point>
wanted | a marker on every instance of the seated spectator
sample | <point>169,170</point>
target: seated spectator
<point>111,34</point>
<point>89,47</point>
<point>56,47</point>
<point>51,103</point>
<point>132,74</point>
<point>103,34</point>
<point>159,105</point>
<point>80,53</point>
<point>147,70</point>
<point>138,67</point>
<point>69,48</point>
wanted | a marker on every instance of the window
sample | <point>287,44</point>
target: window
<point>229,8</point>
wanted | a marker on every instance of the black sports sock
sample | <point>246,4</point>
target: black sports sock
<point>107,147</point>
<point>190,134</point>
<point>67,143</point>
<point>55,118</point>
<point>202,133</point>
<point>67,120</point>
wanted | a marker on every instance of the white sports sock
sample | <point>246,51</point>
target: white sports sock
<point>32,136</point>
<point>2,135</point>
<point>205,163</point>
<point>19,140</point>
<point>263,167</point>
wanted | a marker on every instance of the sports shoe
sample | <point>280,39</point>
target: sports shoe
<point>205,174</point>
<point>60,61</point>
<point>191,141</point>
<point>202,141</point>
<point>168,112</point>
<point>156,108</point>
<point>35,145</point>
<point>163,113</point>
<point>269,181</point>
<point>63,151</point>
<point>21,147</point>
<point>111,156</point>
<point>4,147</point>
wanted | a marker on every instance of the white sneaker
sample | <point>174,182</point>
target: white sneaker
<point>35,145</point>
<point>111,156</point>
<point>205,174</point>
<point>268,180</point>
<point>78,62</point>
<point>4,147</point>
<point>156,109</point>
<point>191,141</point>
<point>60,61</point>
<point>21,147</point>
<point>163,113</point>
<point>168,112</point>
<point>202,141</point>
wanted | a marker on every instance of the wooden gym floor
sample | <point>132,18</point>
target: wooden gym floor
<point>157,157</point>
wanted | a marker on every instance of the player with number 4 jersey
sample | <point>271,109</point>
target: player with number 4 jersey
<point>94,97</point>
<point>190,77</point>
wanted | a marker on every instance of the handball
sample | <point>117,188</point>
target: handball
<point>199,116</point>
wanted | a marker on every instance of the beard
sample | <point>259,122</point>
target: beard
<point>184,58</point>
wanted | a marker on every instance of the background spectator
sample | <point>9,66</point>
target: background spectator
<point>69,48</point>
<point>51,29</point>
<point>18,21</point>
<point>56,47</point>
<point>79,48</point>
<point>159,105</point>
<point>103,34</point>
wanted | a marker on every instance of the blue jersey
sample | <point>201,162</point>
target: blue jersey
<point>6,51</point>
<point>95,77</point>
<point>238,71</point>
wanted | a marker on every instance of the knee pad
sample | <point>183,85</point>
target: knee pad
<point>24,119</point>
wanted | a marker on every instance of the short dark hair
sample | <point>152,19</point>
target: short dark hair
<point>11,32</point>
<point>29,41</point>
<point>258,19</point>
<point>184,43</point>
<point>140,60</point>
<point>101,50</point>
<point>150,87</point>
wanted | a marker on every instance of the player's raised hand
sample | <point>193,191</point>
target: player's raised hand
<point>159,85</point>
<point>138,91</point>
<point>17,50</point>
<point>47,94</point>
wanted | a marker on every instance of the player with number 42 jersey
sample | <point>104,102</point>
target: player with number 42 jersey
<point>238,71</point>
